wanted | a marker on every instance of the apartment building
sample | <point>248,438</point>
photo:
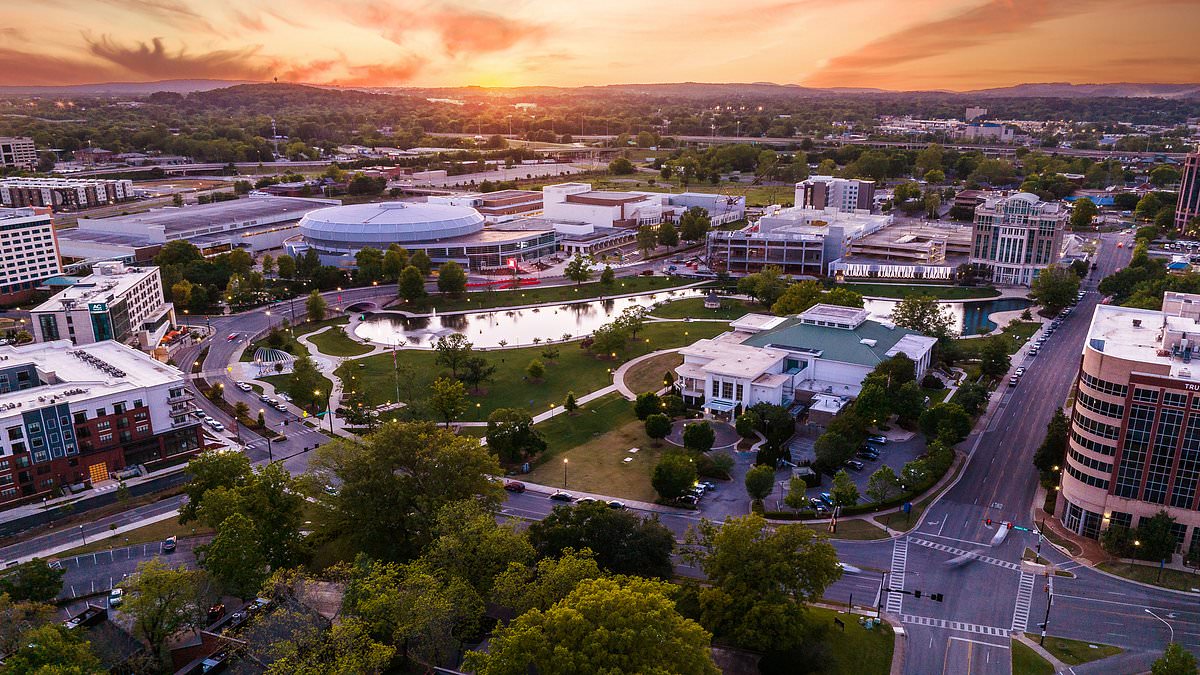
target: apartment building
<point>74,416</point>
<point>64,193</point>
<point>1017,236</point>
<point>1188,206</point>
<point>1134,446</point>
<point>844,194</point>
<point>115,302</point>
<point>28,252</point>
<point>17,152</point>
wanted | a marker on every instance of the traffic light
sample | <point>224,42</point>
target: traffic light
<point>937,597</point>
<point>988,521</point>
<point>1008,525</point>
<point>916,594</point>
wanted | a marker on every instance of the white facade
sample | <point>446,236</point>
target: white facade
<point>577,202</point>
<point>18,151</point>
<point>115,302</point>
<point>844,194</point>
<point>28,250</point>
<point>1017,237</point>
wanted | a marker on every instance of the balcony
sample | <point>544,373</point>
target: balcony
<point>184,394</point>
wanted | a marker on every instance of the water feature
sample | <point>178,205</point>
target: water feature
<point>519,327</point>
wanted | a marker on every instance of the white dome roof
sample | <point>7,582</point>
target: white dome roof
<point>385,223</point>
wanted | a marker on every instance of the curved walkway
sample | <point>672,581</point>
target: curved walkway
<point>619,375</point>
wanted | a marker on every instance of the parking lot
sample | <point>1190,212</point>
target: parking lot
<point>894,454</point>
<point>96,573</point>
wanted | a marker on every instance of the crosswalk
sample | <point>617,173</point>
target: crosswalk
<point>1020,620</point>
<point>978,629</point>
<point>959,551</point>
<point>896,578</point>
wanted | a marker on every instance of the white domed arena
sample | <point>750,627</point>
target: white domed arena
<point>443,231</point>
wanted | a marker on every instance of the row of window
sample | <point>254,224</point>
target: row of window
<point>1099,428</point>
<point>1103,386</point>
<point>1089,444</point>
<point>1087,478</point>
<point>1095,464</point>
<point>1100,407</point>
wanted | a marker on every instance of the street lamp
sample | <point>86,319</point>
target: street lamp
<point>1136,544</point>
<point>83,534</point>
<point>564,473</point>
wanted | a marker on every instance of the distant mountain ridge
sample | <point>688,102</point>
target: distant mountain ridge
<point>678,89</point>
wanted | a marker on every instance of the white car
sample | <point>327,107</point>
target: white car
<point>115,597</point>
<point>244,387</point>
<point>217,426</point>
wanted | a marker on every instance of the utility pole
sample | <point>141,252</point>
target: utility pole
<point>1049,602</point>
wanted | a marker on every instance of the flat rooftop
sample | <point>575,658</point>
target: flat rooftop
<point>113,368</point>
<point>917,234</point>
<point>238,212</point>
<point>96,288</point>
<point>1138,335</point>
<point>732,359</point>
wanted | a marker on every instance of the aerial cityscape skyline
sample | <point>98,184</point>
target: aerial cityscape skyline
<point>924,44</point>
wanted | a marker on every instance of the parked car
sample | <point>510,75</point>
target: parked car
<point>616,505</point>
<point>1012,381</point>
<point>115,597</point>
<point>561,496</point>
<point>264,398</point>
<point>1020,371</point>
<point>826,497</point>
<point>854,465</point>
<point>514,486</point>
<point>169,544</point>
<point>244,387</point>
<point>1033,351</point>
<point>709,485</point>
<point>868,456</point>
<point>280,407</point>
<point>586,500</point>
<point>877,439</point>
<point>217,426</point>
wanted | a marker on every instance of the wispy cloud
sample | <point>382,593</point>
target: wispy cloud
<point>469,32</point>
<point>154,60</point>
<point>172,12</point>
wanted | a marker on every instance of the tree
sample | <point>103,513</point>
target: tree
<point>667,235</point>
<point>161,601</point>
<point>760,481</point>
<point>658,427</point>
<point>476,371</point>
<point>453,351</point>
<point>268,265</point>
<point>550,353</point>
<point>882,484</point>
<point>306,382</point>
<point>369,263</point>
<point>452,280</point>
<point>647,239</point>
<point>994,359</point>
<point>1157,537</point>
<point>922,313</point>
<point>241,410</point>
<point>1082,213</point>
<point>935,176</point>
<point>874,403</point>
<point>596,629</point>
<point>286,265</point>
<point>843,297</point>
<point>395,259</point>
<point>1165,218</point>
<point>234,557</point>
<point>315,306</point>
<point>395,481</point>
<point>609,338</point>
<point>212,470</point>
<point>673,476</point>
<point>412,284</point>
<point>421,261</point>
<point>647,404</point>
<point>947,422</point>
<point>1148,206</point>
<point>471,546</point>
<point>765,286</point>
<point>569,403</point>
<point>972,396</point>
<point>798,297</point>
<point>844,491</point>
<point>511,435</point>
<point>759,579</point>
<point>746,424</point>
<point>1055,288</point>
<point>448,398</point>
<point>623,542</point>
<point>52,649</point>
<point>607,277</point>
<point>1175,661</point>
<point>694,224</point>
<point>345,649</point>
<point>621,167</point>
<point>32,581</point>
<point>699,436</point>
<point>536,370</point>
<point>579,269</point>
<point>522,588</point>
<point>1053,450</point>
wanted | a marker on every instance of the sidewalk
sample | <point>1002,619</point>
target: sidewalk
<point>107,534</point>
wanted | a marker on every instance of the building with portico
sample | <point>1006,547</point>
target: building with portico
<point>1017,236</point>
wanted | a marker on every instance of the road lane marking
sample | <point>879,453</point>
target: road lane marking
<point>960,626</point>
<point>1020,622</point>
<point>979,642</point>
<point>958,552</point>
<point>895,601</point>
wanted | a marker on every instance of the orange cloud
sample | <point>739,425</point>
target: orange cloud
<point>465,32</point>
<point>154,60</point>
<point>173,12</point>
<point>23,68</point>
<point>382,74</point>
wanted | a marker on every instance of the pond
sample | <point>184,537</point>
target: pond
<point>517,327</point>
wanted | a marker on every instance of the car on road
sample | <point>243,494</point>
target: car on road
<point>280,407</point>
<point>514,486</point>
<point>561,496</point>
<point>1012,381</point>
<point>217,426</point>
<point>264,398</point>
<point>616,505</point>
<point>115,597</point>
<point>169,544</point>
<point>877,439</point>
<point>1020,371</point>
<point>231,337</point>
<point>826,498</point>
<point>855,465</point>
<point>244,387</point>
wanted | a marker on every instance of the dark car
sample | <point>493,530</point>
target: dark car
<point>215,612</point>
<point>855,465</point>
<point>514,486</point>
<point>868,456</point>
<point>617,505</point>
<point>169,544</point>
<point>562,497</point>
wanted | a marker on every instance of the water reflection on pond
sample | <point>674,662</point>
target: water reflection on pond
<point>516,327</point>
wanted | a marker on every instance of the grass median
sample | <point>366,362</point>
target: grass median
<point>899,291</point>
<point>1025,661</point>
<point>1150,574</point>
<point>853,650</point>
<point>1075,652</point>
<point>648,375</point>
<point>574,370</point>
<point>335,342</point>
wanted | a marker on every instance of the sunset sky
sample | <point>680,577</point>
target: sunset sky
<point>891,44</point>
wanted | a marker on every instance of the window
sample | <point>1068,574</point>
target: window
<point>1145,395</point>
<point>105,438</point>
<point>1133,453</point>
<point>15,433</point>
<point>119,408</point>
<point>1122,519</point>
<point>80,418</point>
<point>1089,444</point>
<point>1094,464</point>
<point>1175,400</point>
<point>1184,491</point>
<point>1162,455</point>
<point>1103,386</point>
<point>143,428</point>
<point>137,403</point>
<point>1101,407</point>
<point>100,412</point>
<point>1099,428</point>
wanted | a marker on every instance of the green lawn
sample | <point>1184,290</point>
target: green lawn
<point>535,295</point>
<point>693,308</point>
<point>1075,652</point>
<point>856,650</point>
<point>1017,334</point>
<point>597,464</point>
<point>851,529</point>
<point>335,342</point>
<point>289,336</point>
<point>648,375</point>
<point>154,532</point>
<point>563,432</point>
<point>940,292</point>
<point>284,383</point>
<point>936,396</point>
<point>1025,661</point>
<point>1148,574</point>
<point>575,370</point>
